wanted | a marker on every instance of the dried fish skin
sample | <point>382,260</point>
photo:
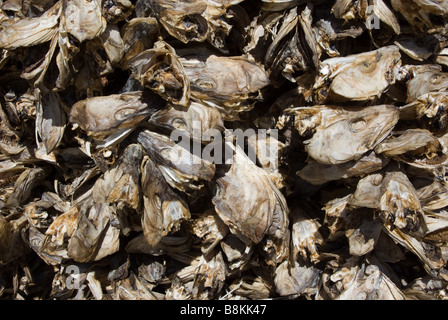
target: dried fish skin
<point>163,210</point>
<point>160,70</point>
<point>288,54</point>
<point>337,213</point>
<point>368,192</point>
<point>83,19</point>
<point>355,133</point>
<point>96,235</point>
<point>238,250</point>
<point>102,116</point>
<point>253,288</point>
<point>358,77</point>
<point>31,31</point>
<point>230,91</point>
<point>428,254</point>
<point>382,12</point>
<point>363,237</point>
<point>113,44</point>
<point>209,277</point>
<point>280,5</point>
<point>433,197</point>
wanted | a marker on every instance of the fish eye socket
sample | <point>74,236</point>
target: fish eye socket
<point>367,66</point>
<point>157,201</point>
<point>434,79</point>
<point>124,114</point>
<point>357,124</point>
<point>206,83</point>
<point>179,123</point>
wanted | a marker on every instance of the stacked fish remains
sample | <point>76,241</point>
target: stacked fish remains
<point>94,203</point>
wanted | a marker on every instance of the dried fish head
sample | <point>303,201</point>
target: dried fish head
<point>426,80</point>
<point>210,229</point>
<point>305,236</point>
<point>198,117</point>
<point>37,213</point>
<point>294,278</point>
<point>428,108</point>
<point>195,21</point>
<point>359,77</point>
<point>182,169</point>
<point>139,34</point>
<point>11,243</point>
<point>254,214</point>
<point>318,173</point>
<point>83,19</point>
<point>115,11</point>
<point>400,204</point>
<point>183,20</point>
<point>230,91</point>
<point>424,16</point>
<point>102,117</point>
<point>365,282</point>
<point>96,235</point>
<point>163,210</point>
<point>420,48</point>
<point>31,31</point>
<point>352,135</point>
<point>160,70</point>
<point>417,141</point>
<point>120,185</point>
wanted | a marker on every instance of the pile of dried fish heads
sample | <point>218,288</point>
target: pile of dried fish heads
<point>160,149</point>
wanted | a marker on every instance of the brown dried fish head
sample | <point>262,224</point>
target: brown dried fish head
<point>231,91</point>
<point>426,80</point>
<point>399,202</point>
<point>96,235</point>
<point>352,135</point>
<point>198,118</point>
<point>361,76</point>
<point>30,31</point>
<point>83,19</point>
<point>163,210</point>
<point>160,70</point>
<point>101,117</point>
